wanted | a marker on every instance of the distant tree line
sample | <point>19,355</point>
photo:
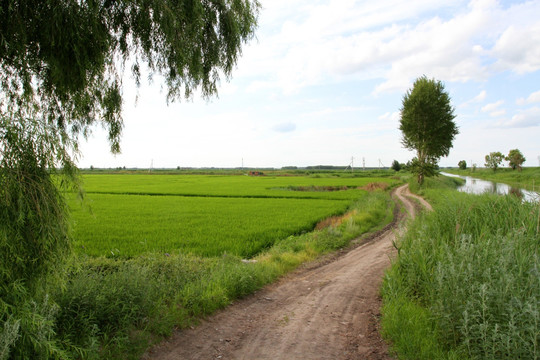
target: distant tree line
<point>495,158</point>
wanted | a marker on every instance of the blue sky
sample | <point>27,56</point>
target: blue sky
<point>323,82</point>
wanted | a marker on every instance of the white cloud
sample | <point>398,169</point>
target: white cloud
<point>332,40</point>
<point>480,97</point>
<point>446,50</point>
<point>391,116</point>
<point>477,99</point>
<point>518,49</point>
<point>523,119</point>
<point>533,98</point>
<point>493,109</point>
<point>498,113</point>
<point>339,40</point>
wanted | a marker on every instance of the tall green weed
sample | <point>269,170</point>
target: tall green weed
<point>472,266</point>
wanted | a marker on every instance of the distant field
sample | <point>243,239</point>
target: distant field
<point>203,215</point>
<point>227,186</point>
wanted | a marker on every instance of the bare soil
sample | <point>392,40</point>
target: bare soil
<point>328,310</point>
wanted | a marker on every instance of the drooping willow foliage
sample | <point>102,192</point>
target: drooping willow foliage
<point>34,233</point>
<point>61,69</point>
<point>65,57</point>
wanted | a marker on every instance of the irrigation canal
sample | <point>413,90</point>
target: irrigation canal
<point>479,186</point>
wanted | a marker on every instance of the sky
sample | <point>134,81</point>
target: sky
<point>323,82</point>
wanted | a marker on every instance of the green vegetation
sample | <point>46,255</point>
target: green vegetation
<point>465,283</point>
<point>113,308</point>
<point>130,225</point>
<point>132,281</point>
<point>527,178</point>
<point>61,70</point>
<point>229,186</point>
<point>515,159</point>
<point>427,125</point>
<point>310,171</point>
<point>493,160</point>
<point>34,240</point>
<point>129,215</point>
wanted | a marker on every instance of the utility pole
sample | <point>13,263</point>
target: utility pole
<point>364,163</point>
<point>351,165</point>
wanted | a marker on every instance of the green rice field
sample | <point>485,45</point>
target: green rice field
<point>206,215</point>
<point>228,186</point>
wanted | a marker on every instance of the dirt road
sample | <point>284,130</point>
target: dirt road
<point>329,311</point>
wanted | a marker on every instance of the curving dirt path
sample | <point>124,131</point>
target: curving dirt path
<point>327,311</point>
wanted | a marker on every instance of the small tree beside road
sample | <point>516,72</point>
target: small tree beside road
<point>462,164</point>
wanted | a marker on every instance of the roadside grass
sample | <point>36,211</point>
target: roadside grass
<point>528,178</point>
<point>116,308</point>
<point>466,282</point>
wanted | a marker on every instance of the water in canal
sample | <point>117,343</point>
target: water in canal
<point>479,186</point>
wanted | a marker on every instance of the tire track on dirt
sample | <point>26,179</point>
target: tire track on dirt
<point>325,312</point>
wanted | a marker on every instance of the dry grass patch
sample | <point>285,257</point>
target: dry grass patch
<point>375,186</point>
<point>334,221</point>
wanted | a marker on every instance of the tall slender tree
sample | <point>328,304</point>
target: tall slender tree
<point>427,125</point>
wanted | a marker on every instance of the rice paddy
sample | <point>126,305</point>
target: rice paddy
<point>205,215</point>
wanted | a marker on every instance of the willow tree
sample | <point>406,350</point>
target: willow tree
<point>427,125</point>
<point>61,69</point>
